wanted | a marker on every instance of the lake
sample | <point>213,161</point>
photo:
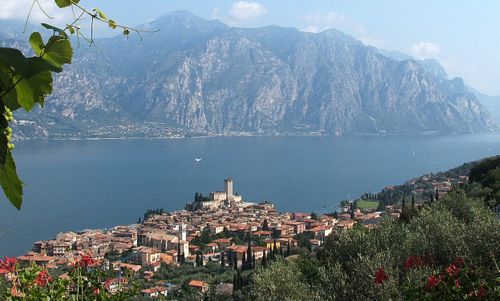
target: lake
<point>74,185</point>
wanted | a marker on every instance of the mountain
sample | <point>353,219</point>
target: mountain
<point>491,103</point>
<point>202,76</point>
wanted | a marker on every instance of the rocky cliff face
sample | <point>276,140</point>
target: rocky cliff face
<point>205,77</point>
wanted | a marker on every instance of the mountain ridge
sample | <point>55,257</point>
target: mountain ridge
<point>206,77</point>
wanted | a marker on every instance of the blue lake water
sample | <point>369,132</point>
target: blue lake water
<point>73,185</point>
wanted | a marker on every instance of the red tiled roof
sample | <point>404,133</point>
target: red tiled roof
<point>197,283</point>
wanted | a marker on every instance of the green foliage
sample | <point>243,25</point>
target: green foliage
<point>10,182</point>
<point>27,81</point>
<point>24,82</point>
<point>281,280</point>
<point>485,180</point>
<point>65,3</point>
<point>346,266</point>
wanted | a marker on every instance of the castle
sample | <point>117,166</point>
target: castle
<point>217,199</point>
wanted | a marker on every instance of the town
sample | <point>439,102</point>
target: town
<point>221,229</point>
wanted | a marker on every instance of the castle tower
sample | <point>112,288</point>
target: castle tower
<point>228,185</point>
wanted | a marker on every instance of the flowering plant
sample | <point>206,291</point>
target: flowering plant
<point>34,282</point>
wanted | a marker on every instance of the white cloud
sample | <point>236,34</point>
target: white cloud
<point>423,50</point>
<point>243,11</point>
<point>319,22</point>
<point>18,10</point>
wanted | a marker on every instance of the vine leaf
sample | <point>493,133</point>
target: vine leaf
<point>34,89</point>
<point>11,184</point>
<point>65,3</point>
<point>36,43</point>
<point>58,52</point>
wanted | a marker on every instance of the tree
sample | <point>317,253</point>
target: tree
<point>264,259</point>
<point>223,259</point>
<point>27,81</point>
<point>265,226</point>
<point>281,281</point>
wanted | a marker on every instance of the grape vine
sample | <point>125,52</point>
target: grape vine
<point>27,81</point>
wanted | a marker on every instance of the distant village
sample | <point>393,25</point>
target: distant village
<point>175,238</point>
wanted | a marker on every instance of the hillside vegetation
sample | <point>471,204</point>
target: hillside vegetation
<point>447,250</point>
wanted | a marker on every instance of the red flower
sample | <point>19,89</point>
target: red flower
<point>433,281</point>
<point>413,262</point>
<point>8,263</point>
<point>96,291</point>
<point>14,292</point>
<point>42,279</point>
<point>457,283</point>
<point>108,283</point>
<point>85,261</point>
<point>482,292</point>
<point>381,276</point>
<point>452,270</point>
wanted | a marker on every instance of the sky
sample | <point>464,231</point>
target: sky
<point>463,35</point>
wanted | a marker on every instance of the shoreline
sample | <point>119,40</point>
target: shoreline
<point>422,134</point>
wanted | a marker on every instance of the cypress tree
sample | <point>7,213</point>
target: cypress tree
<point>265,225</point>
<point>240,280</point>
<point>179,253</point>
<point>437,195</point>
<point>288,249</point>
<point>222,259</point>
<point>249,250</point>
<point>236,282</point>
<point>404,203</point>
<point>253,261</point>
<point>243,260</point>
<point>413,200</point>
<point>264,259</point>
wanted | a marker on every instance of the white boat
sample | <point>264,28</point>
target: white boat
<point>198,159</point>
